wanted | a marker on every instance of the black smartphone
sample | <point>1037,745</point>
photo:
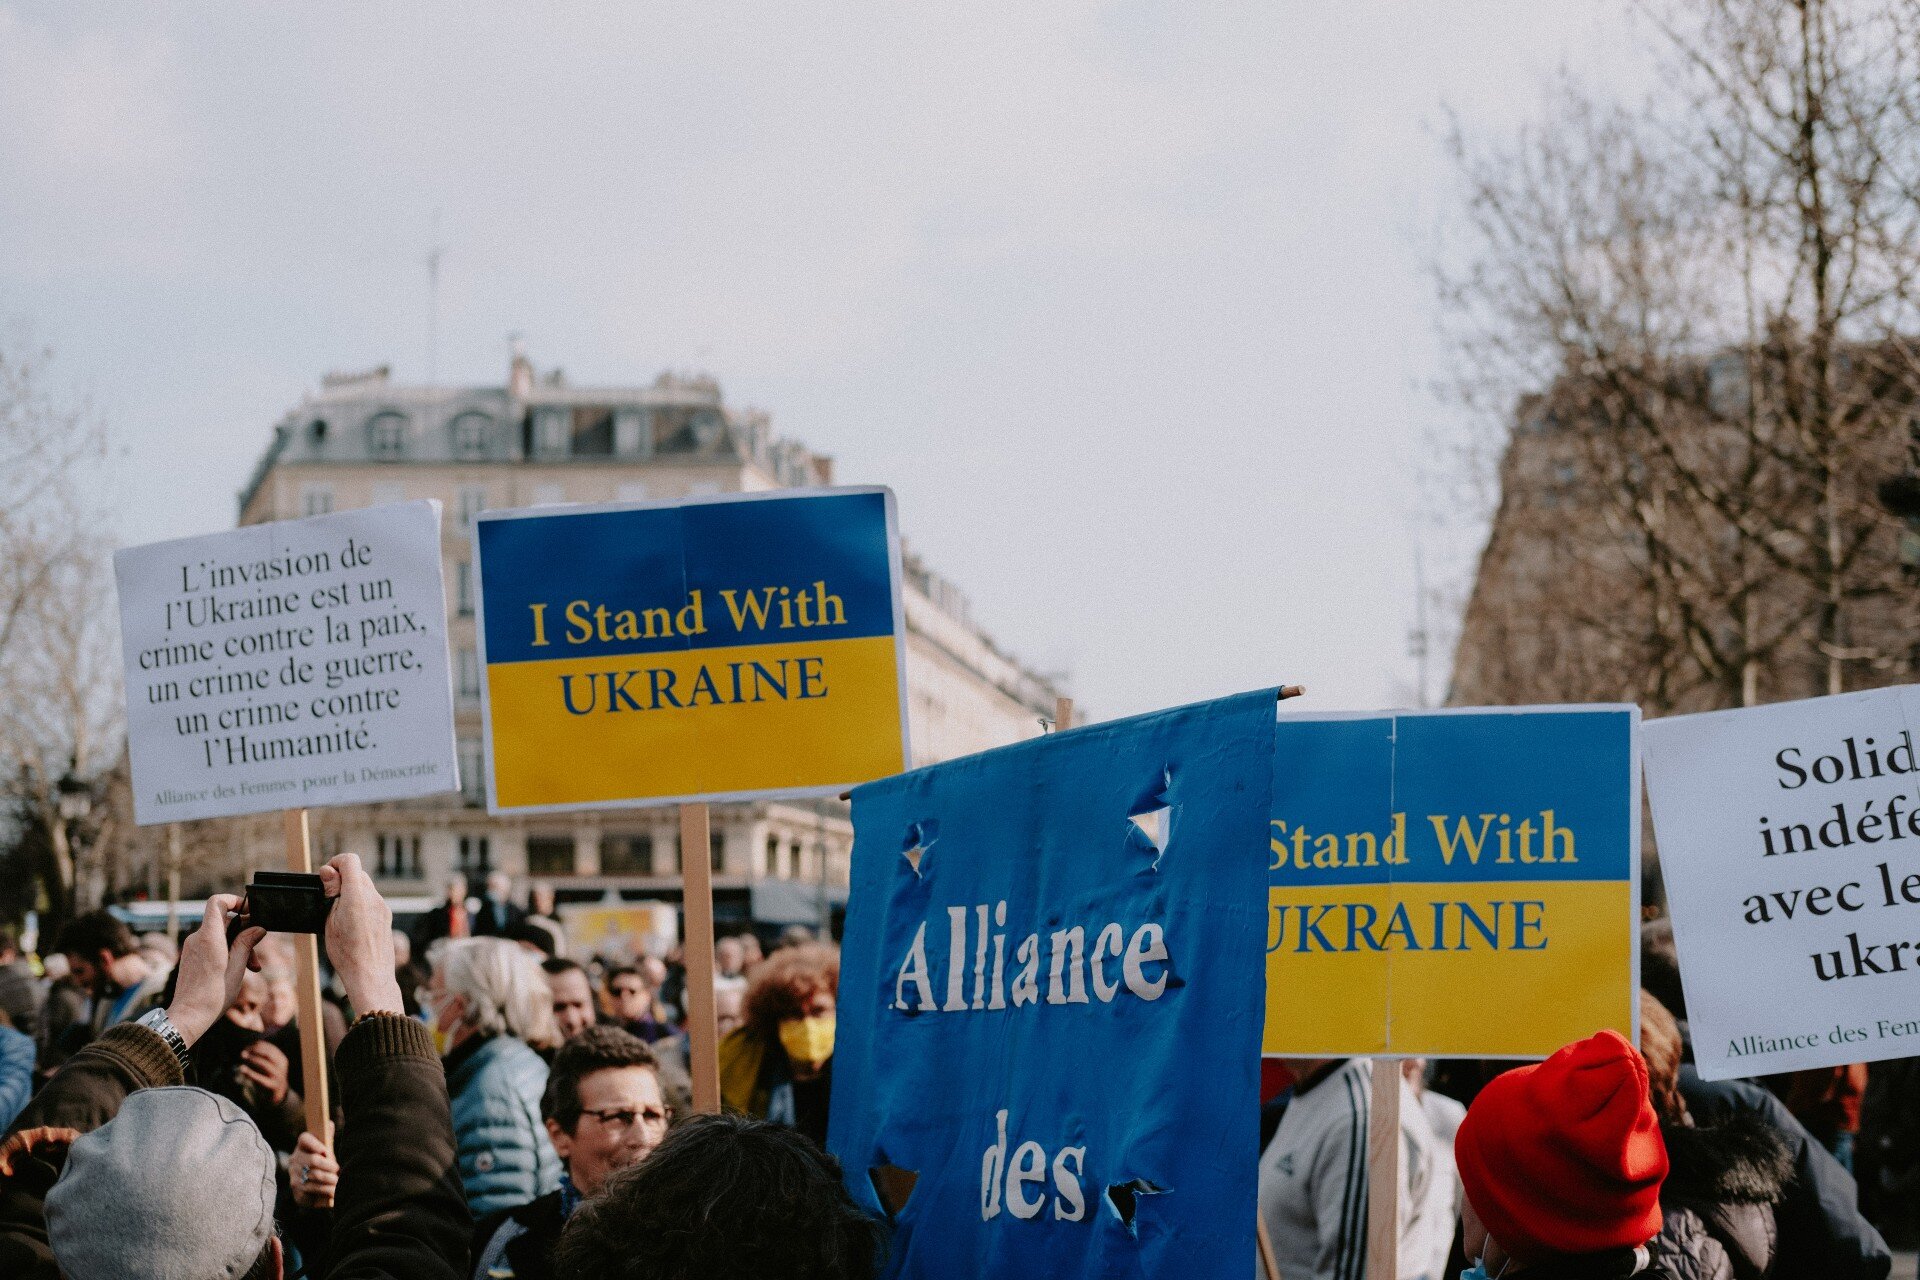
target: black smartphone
<point>283,902</point>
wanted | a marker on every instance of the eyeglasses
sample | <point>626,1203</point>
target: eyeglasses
<point>623,1117</point>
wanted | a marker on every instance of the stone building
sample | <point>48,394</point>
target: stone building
<point>1676,544</point>
<point>365,440</point>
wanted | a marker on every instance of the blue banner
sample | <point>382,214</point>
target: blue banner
<point>1050,1001</point>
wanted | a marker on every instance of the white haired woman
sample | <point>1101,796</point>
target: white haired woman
<point>486,1001</point>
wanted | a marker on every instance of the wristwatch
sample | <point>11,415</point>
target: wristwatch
<point>157,1021</point>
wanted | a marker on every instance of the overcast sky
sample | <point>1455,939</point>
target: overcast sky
<point>1126,301</point>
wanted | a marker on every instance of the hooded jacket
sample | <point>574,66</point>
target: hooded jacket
<point>1719,1197</point>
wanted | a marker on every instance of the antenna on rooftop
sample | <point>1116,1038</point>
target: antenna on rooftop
<point>434,250</point>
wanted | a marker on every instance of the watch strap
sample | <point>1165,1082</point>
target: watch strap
<point>157,1021</point>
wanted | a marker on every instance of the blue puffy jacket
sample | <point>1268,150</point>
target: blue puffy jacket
<point>16,1074</point>
<point>505,1157</point>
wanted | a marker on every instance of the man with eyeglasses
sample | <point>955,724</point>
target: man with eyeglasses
<point>604,1111</point>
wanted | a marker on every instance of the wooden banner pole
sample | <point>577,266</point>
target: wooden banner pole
<point>696,878</point>
<point>306,990</point>
<point>1062,714</point>
<point>1383,1172</point>
<point>1269,1269</point>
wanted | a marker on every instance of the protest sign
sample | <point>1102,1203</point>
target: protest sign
<point>286,665</point>
<point>1789,840</point>
<point>716,649</point>
<point>1047,1058</point>
<point>1452,883</point>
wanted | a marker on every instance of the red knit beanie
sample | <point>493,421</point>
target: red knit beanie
<point>1566,1156</point>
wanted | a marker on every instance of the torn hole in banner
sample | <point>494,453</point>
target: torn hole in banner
<point>893,1186</point>
<point>919,840</point>
<point>1150,816</point>
<point>1123,1198</point>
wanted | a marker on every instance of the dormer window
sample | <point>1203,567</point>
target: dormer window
<point>317,432</point>
<point>387,435</point>
<point>470,435</point>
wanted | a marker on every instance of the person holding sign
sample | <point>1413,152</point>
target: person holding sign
<point>115,1169</point>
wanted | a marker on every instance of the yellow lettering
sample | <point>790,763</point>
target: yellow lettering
<point>577,617</point>
<point>539,624</point>
<point>1463,837</point>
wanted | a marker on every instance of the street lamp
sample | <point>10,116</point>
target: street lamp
<point>75,798</point>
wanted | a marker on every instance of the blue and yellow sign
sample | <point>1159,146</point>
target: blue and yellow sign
<point>1451,884</point>
<point>718,649</point>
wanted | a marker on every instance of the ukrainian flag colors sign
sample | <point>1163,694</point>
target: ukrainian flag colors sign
<point>716,649</point>
<point>1453,883</point>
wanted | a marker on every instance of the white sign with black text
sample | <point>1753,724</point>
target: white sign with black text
<point>1789,840</point>
<point>288,665</point>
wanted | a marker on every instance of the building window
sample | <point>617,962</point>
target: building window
<point>328,846</point>
<point>387,435</point>
<point>316,499</point>
<point>388,492</point>
<point>470,435</point>
<point>476,856</point>
<point>592,433</point>
<point>469,673</point>
<point>717,848</point>
<point>550,855</point>
<point>463,587</point>
<point>397,857</point>
<point>773,856</point>
<point>626,855</point>
<point>473,500</point>
<point>473,769</point>
<point>549,495</point>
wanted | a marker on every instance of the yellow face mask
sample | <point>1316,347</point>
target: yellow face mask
<point>808,1040</point>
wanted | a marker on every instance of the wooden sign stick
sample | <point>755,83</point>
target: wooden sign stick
<point>1383,1172</point>
<point>696,878</point>
<point>306,990</point>
<point>1062,714</point>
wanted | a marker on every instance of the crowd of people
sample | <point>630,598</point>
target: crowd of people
<point>1609,1160</point>
<point>500,1109</point>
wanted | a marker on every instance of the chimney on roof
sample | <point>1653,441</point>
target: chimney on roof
<point>520,373</point>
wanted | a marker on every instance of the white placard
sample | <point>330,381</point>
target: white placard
<point>1789,836</point>
<point>288,665</point>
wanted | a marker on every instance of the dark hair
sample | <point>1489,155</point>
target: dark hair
<point>554,966</point>
<point>723,1195</point>
<point>783,983</point>
<point>595,1049</point>
<point>623,971</point>
<point>1660,966</point>
<point>94,932</point>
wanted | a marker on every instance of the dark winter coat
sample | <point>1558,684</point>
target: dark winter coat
<point>398,1215</point>
<point>1718,1199</point>
<point>1821,1231</point>
<point>518,1243</point>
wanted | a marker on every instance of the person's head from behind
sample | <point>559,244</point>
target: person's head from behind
<point>723,1196</point>
<point>1563,1158</point>
<point>573,1010</point>
<point>729,1009</point>
<point>457,892</point>
<point>653,971</point>
<point>488,987</point>
<point>541,900</point>
<point>402,948</point>
<point>1660,966</point>
<point>1662,1047</point>
<point>603,1105</point>
<point>499,885</point>
<point>791,1003</point>
<point>205,1209</point>
<point>101,952</point>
